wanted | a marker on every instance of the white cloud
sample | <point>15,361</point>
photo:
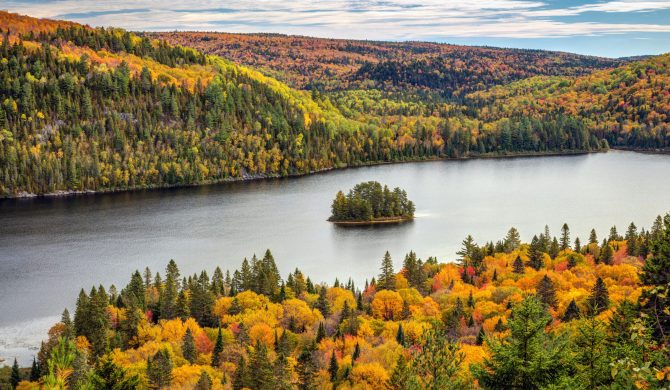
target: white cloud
<point>369,19</point>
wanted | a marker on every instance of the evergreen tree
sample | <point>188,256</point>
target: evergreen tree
<point>159,369</point>
<point>438,361</point>
<point>320,333</point>
<point>188,347</point>
<point>204,382</point>
<point>401,374</point>
<point>322,302</point>
<point>356,353</point>
<point>282,376</point>
<point>593,237</point>
<point>554,248</point>
<point>578,245</point>
<point>261,367</point>
<point>631,240</point>
<point>218,349</point>
<point>108,375</point>
<point>15,376</point>
<point>333,367</point>
<point>606,254</point>
<point>546,292</point>
<point>34,371</point>
<point>400,336</point>
<point>306,369</point>
<point>387,276</point>
<point>614,235</point>
<point>512,240</point>
<point>481,336</point>
<point>571,312</point>
<point>242,378</point>
<point>528,358</point>
<point>518,266</point>
<point>565,237</point>
<point>656,275</point>
<point>591,353</point>
<point>536,259</point>
<point>599,300</point>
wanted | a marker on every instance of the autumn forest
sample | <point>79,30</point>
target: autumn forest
<point>88,110</point>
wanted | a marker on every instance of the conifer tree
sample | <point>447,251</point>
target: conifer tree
<point>333,367</point>
<point>481,336</point>
<point>204,382</point>
<point>322,302</point>
<point>34,371</point>
<point>320,333</point>
<point>593,363</point>
<point>306,369</point>
<point>599,300</point>
<point>518,266</point>
<point>438,361</point>
<point>401,374</point>
<point>356,353</point>
<point>593,237</point>
<point>15,376</point>
<point>546,292</point>
<point>565,237</point>
<point>159,369</point>
<point>261,367</point>
<point>400,336</point>
<point>218,349</point>
<point>188,347</point>
<point>656,274</point>
<point>528,358</point>
<point>512,240</point>
<point>242,378</point>
<point>571,312</point>
<point>387,276</point>
<point>631,240</point>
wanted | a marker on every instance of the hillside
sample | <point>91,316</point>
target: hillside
<point>546,313</point>
<point>104,109</point>
<point>628,106</point>
<point>333,64</point>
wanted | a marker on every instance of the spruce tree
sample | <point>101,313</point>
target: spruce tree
<point>606,254</point>
<point>401,374</point>
<point>159,369</point>
<point>438,362</point>
<point>546,292</point>
<point>481,336</point>
<point>218,349</point>
<point>306,369</point>
<point>260,366</point>
<point>356,353</point>
<point>34,371</point>
<point>387,276</point>
<point>593,237</point>
<point>593,362</point>
<point>400,336</point>
<point>322,302</point>
<point>333,367</point>
<point>528,358</point>
<point>518,266</point>
<point>188,347</point>
<point>204,382</point>
<point>631,240</point>
<point>655,274</point>
<point>512,240</point>
<point>599,300</point>
<point>15,376</point>
<point>565,237</point>
<point>571,312</point>
<point>242,378</point>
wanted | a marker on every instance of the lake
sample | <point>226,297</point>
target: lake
<point>50,248</point>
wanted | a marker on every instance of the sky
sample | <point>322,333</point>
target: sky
<point>603,28</point>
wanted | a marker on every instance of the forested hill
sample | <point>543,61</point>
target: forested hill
<point>628,106</point>
<point>86,109</point>
<point>333,64</point>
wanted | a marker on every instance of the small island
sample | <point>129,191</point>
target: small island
<point>370,203</point>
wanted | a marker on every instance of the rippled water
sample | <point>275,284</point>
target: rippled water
<point>50,248</point>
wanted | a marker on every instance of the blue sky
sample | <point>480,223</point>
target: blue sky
<point>604,28</point>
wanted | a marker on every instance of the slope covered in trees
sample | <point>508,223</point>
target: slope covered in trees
<point>103,109</point>
<point>552,313</point>
<point>628,106</point>
<point>335,64</point>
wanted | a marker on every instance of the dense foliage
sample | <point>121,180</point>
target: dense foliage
<point>103,109</point>
<point>548,314</point>
<point>370,201</point>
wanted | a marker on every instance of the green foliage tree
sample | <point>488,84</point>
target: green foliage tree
<point>188,347</point>
<point>159,369</point>
<point>386,280</point>
<point>528,358</point>
<point>437,362</point>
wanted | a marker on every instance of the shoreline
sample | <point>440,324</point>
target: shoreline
<point>378,221</point>
<point>250,178</point>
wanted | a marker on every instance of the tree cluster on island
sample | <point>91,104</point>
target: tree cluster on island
<point>371,202</point>
<point>555,313</point>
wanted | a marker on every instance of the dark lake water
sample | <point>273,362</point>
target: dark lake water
<point>50,248</point>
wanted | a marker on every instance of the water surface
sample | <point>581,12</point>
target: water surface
<point>50,248</point>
